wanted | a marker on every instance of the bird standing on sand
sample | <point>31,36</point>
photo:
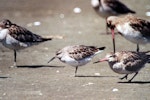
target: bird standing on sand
<point>106,8</point>
<point>16,37</point>
<point>127,62</point>
<point>77,55</point>
<point>134,29</point>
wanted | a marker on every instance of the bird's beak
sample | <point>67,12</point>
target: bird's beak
<point>101,60</point>
<point>51,59</point>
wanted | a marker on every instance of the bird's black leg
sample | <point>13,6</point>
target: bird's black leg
<point>76,71</point>
<point>133,77</point>
<point>15,56</point>
<point>137,48</point>
<point>114,47</point>
<point>126,76</point>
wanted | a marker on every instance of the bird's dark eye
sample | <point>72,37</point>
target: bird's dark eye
<point>109,24</point>
<point>7,24</point>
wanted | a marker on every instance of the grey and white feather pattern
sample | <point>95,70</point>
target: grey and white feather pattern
<point>16,37</point>
<point>77,55</point>
<point>127,62</point>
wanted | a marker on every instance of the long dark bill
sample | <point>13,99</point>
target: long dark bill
<point>51,59</point>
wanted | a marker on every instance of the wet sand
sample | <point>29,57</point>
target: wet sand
<point>35,79</point>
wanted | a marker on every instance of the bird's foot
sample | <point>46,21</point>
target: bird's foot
<point>129,81</point>
<point>126,77</point>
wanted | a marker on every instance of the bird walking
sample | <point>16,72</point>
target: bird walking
<point>134,29</point>
<point>127,62</point>
<point>16,37</point>
<point>106,8</point>
<point>77,55</point>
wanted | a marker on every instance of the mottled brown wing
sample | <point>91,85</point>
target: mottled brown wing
<point>141,25</point>
<point>135,61</point>
<point>80,52</point>
<point>23,35</point>
<point>118,7</point>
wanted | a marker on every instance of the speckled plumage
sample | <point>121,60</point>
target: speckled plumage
<point>110,7</point>
<point>106,8</point>
<point>127,62</point>
<point>16,37</point>
<point>132,28</point>
<point>77,55</point>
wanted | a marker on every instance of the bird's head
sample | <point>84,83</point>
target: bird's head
<point>5,23</point>
<point>111,22</point>
<point>110,58</point>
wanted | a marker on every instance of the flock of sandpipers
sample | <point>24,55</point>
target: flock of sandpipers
<point>132,28</point>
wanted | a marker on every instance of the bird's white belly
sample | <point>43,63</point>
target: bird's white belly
<point>132,35</point>
<point>120,68</point>
<point>12,43</point>
<point>74,62</point>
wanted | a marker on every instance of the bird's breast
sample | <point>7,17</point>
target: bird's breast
<point>130,34</point>
<point>119,68</point>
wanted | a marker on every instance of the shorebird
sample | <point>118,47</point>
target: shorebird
<point>16,37</point>
<point>77,55</point>
<point>127,62</point>
<point>130,27</point>
<point>106,8</point>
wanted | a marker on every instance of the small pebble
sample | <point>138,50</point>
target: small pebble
<point>46,48</point>
<point>40,93</point>
<point>32,84</point>
<point>37,23</point>
<point>147,13</point>
<point>90,83</point>
<point>77,10</point>
<point>57,71</point>
<point>79,32</point>
<point>97,74</point>
<point>4,94</point>
<point>115,90</point>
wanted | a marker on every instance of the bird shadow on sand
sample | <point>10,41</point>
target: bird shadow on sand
<point>93,76</point>
<point>136,82</point>
<point>4,77</point>
<point>39,66</point>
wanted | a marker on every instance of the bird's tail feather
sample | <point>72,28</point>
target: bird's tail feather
<point>46,38</point>
<point>133,12</point>
<point>100,49</point>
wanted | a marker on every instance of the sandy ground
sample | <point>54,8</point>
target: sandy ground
<point>35,79</point>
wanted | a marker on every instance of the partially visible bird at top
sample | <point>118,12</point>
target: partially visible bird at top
<point>106,8</point>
